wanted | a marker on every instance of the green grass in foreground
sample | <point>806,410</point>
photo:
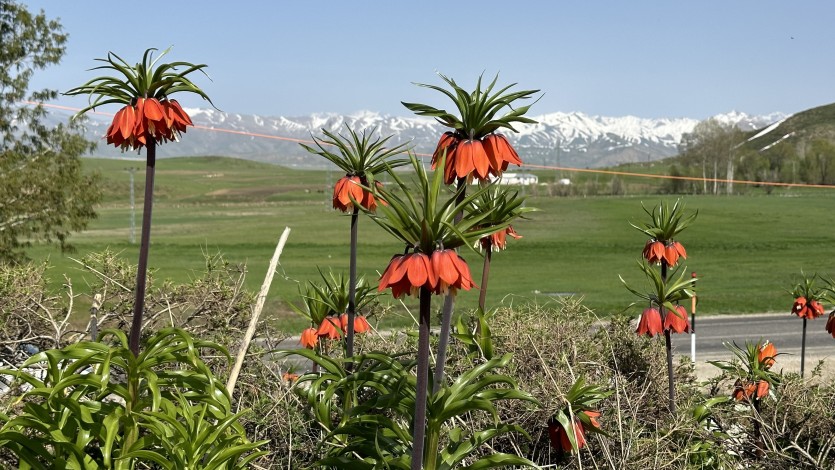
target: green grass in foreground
<point>746,249</point>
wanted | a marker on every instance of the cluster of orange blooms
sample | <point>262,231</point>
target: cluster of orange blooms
<point>498,240</point>
<point>559,436</point>
<point>809,309</point>
<point>655,251</point>
<point>754,390</point>
<point>349,189</point>
<point>479,158</point>
<point>445,271</point>
<point>675,322</point>
<point>149,119</point>
<point>333,328</point>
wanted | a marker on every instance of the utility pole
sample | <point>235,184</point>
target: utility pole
<point>131,171</point>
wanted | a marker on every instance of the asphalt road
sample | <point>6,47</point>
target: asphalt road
<point>783,329</point>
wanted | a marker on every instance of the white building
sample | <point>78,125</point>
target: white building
<point>516,179</point>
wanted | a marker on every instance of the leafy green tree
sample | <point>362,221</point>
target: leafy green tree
<point>783,161</point>
<point>818,166</point>
<point>712,148</point>
<point>753,166</point>
<point>44,195</point>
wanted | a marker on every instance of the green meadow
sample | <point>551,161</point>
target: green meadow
<point>747,250</point>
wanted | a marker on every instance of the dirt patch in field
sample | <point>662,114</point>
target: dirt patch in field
<point>253,192</point>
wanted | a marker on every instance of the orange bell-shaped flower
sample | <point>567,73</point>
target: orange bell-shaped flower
<point>448,142</point>
<point>406,274</point>
<point>650,323</point>
<point>345,191</point>
<point>329,328</point>
<point>309,338</point>
<point>147,118</point>
<point>559,437</point>
<point>672,252</point>
<point>498,240</point>
<point>361,325</point>
<point>499,153</point>
<point>654,251</point>
<point>452,272</point>
<point>677,321</point>
<point>767,354</point>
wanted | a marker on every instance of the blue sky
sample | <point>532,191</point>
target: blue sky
<point>644,58</point>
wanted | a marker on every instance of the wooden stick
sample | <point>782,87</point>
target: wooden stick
<point>259,305</point>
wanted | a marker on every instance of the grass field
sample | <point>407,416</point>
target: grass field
<point>746,249</point>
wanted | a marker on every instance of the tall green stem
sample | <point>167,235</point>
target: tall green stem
<point>449,303</point>
<point>433,440</point>
<point>352,287</point>
<point>145,243</point>
<point>668,343</point>
<point>485,275</point>
<point>422,379</point>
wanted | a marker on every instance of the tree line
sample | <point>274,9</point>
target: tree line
<point>720,153</point>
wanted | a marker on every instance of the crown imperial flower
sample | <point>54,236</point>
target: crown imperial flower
<point>148,113</point>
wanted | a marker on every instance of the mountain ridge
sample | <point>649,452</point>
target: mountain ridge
<point>570,139</point>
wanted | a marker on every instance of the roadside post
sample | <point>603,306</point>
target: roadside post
<point>693,319</point>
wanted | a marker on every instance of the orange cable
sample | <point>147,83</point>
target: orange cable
<point>686,178</point>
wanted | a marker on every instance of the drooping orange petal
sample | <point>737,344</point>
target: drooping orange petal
<point>680,249</point>
<point>508,152</point>
<point>762,388</point>
<point>181,114</point>
<point>444,267</point>
<point>799,304</point>
<point>480,160</point>
<point>447,143</point>
<point>464,156</point>
<point>677,321</point>
<point>671,255</point>
<point>361,325</point>
<point>127,120</point>
<point>401,270</point>
<point>329,328</point>
<point>153,110</point>
<point>593,415</point>
<point>816,308</point>
<point>418,269</point>
<point>491,149</point>
<point>767,353</point>
<point>385,279</point>
<point>465,279</point>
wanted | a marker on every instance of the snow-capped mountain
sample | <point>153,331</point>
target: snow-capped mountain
<point>563,139</point>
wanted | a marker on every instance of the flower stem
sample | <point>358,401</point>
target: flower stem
<point>803,350</point>
<point>352,287</point>
<point>144,246</point>
<point>668,345</point>
<point>422,379</point>
<point>449,303</point>
<point>485,274</point>
<point>759,451</point>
